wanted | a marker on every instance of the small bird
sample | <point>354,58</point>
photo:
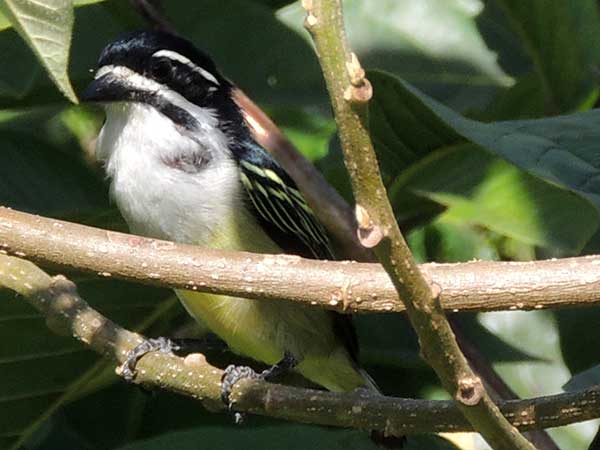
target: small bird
<point>184,167</point>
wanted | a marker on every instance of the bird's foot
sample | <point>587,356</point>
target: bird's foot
<point>160,344</point>
<point>233,374</point>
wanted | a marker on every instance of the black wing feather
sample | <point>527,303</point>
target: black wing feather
<point>280,208</point>
<point>283,213</point>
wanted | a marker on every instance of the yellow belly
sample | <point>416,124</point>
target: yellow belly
<point>265,330</point>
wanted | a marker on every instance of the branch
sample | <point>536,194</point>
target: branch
<point>350,92</point>
<point>66,313</point>
<point>343,286</point>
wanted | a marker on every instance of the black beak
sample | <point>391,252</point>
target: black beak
<point>107,88</point>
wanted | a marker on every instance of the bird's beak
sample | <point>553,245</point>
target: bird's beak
<point>106,88</point>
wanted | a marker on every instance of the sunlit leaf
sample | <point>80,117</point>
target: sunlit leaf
<point>536,331</point>
<point>46,27</point>
<point>500,197</point>
<point>424,147</point>
<point>434,44</point>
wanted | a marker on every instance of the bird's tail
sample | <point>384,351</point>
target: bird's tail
<point>378,437</point>
<point>369,381</point>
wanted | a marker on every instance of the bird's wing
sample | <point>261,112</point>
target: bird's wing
<point>282,212</point>
<point>281,209</point>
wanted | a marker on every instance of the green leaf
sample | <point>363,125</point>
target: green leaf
<point>435,44</point>
<point>424,151</point>
<point>5,23</point>
<point>561,40</point>
<point>46,27</point>
<point>576,326</point>
<point>560,149</point>
<point>26,392</point>
<point>38,178</point>
<point>535,332</point>
<point>498,196</point>
<point>284,436</point>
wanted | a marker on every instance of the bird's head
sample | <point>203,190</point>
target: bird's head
<point>167,73</point>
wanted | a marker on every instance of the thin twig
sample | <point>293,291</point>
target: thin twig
<point>350,92</point>
<point>339,285</point>
<point>67,313</point>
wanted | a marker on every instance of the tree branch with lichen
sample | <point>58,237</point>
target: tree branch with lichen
<point>350,92</point>
<point>67,313</point>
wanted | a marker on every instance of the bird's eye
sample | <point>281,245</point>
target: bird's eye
<point>161,69</point>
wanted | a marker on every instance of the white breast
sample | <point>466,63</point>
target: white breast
<point>158,200</point>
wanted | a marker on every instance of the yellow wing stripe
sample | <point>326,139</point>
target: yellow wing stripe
<point>270,198</point>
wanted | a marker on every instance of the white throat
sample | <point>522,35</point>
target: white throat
<point>158,188</point>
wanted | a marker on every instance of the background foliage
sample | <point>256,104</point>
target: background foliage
<point>484,124</point>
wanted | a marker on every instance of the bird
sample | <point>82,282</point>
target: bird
<point>184,166</point>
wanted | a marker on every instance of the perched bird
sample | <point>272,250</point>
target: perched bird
<point>184,167</point>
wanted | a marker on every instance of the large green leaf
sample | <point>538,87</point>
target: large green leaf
<point>561,39</point>
<point>433,43</point>
<point>497,195</point>
<point>46,27</point>
<point>576,326</point>
<point>410,129</point>
<point>38,178</point>
<point>284,436</point>
<point>561,149</point>
<point>424,150</point>
<point>26,392</point>
<point>5,23</point>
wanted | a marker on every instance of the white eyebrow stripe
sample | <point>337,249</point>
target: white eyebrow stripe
<point>183,60</point>
<point>206,118</point>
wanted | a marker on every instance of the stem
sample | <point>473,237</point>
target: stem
<point>350,92</point>
<point>342,286</point>
<point>66,312</point>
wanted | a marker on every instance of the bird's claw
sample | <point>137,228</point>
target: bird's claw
<point>160,344</point>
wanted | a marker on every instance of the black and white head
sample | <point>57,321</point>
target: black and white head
<point>167,73</point>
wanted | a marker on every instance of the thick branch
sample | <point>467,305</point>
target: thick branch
<point>350,92</point>
<point>67,313</point>
<point>342,286</point>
